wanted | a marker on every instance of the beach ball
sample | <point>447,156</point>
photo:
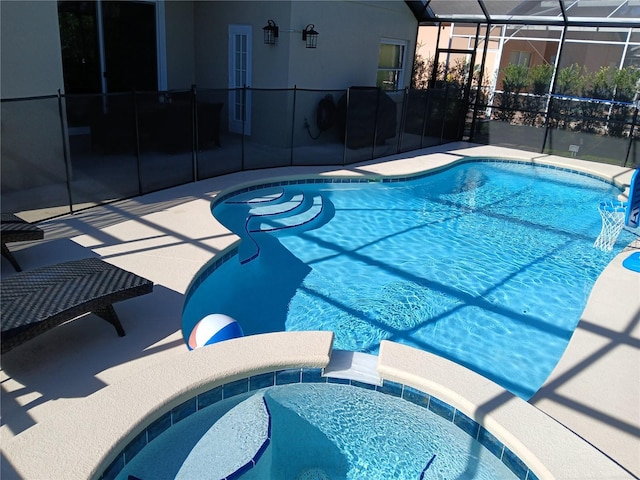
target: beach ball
<point>213,328</point>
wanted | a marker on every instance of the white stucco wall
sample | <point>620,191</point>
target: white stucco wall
<point>30,56</point>
<point>349,39</point>
<point>30,66</point>
<point>348,42</point>
<point>212,43</point>
<point>180,41</point>
<point>197,43</point>
<point>347,52</point>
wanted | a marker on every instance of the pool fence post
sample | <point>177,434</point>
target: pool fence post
<point>379,93</point>
<point>552,84</point>
<point>293,122</point>
<point>346,127</point>
<point>444,112</point>
<point>633,124</point>
<point>425,115</point>
<point>194,132</point>
<point>244,119</point>
<point>136,137</point>
<point>474,118</point>
<point>65,150</point>
<point>403,119</point>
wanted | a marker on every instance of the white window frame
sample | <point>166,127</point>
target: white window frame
<point>523,57</point>
<point>401,70</point>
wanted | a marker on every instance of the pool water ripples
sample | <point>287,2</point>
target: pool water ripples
<point>488,264</point>
<point>384,437</point>
<point>322,431</point>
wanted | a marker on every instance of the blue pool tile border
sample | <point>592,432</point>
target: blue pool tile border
<point>468,425</point>
<point>314,375</point>
<point>442,409</point>
<point>282,183</point>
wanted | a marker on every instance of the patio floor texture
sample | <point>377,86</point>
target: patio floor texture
<point>168,236</point>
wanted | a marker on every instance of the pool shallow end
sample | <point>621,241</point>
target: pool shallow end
<point>112,417</point>
<point>80,443</point>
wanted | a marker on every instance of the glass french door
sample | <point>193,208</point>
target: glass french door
<point>109,47</point>
<point>239,77</point>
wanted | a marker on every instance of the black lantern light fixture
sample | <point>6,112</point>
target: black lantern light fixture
<point>310,36</point>
<point>271,32</point>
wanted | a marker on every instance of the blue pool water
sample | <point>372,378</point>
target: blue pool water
<point>318,431</point>
<point>488,264</point>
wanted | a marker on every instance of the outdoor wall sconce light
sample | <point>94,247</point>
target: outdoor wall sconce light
<point>270,33</point>
<point>310,36</point>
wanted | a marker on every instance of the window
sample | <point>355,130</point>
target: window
<point>520,58</point>
<point>391,65</point>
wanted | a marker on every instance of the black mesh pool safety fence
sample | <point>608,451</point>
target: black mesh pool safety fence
<point>63,153</point>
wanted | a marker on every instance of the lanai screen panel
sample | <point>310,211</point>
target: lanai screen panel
<point>543,12</point>
<point>457,10</point>
<point>534,11</point>
<point>584,11</point>
<point>632,57</point>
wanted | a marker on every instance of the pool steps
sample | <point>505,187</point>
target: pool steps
<point>273,212</point>
<point>278,207</point>
<point>308,210</point>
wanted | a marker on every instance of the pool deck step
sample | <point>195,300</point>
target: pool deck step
<point>358,366</point>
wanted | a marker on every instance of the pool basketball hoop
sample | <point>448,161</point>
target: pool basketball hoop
<point>612,214</point>
<point>615,215</point>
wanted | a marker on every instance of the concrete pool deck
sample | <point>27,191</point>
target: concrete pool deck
<point>169,235</point>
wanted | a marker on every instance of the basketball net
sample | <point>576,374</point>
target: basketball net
<point>612,214</point>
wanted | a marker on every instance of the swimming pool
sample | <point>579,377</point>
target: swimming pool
<point>323,431</point>
<point>488,264</point>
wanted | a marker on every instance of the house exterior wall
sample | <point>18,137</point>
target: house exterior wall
<point>212,43</point>
<point>30,45</point>
<point>31,59</point>
<point>348,44</point>
<point>268,62</point>
<point>31,65</point>
<point>541,53</point>
<point>195,51</point>
<point>592,58</point>
<point>180,43</point>
<point>347,54</point>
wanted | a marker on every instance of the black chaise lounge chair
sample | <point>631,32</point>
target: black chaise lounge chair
<point>36,301</point>
<point>14,229</point>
